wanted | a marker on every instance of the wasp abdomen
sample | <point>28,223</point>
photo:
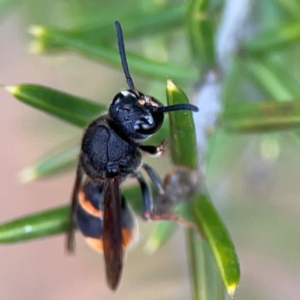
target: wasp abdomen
<point>90,225</point>
<point>89,216</point>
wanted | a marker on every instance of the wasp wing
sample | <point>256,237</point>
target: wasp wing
<point>71,225</point>
<point>112,234</point>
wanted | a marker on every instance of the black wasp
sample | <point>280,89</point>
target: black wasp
<point>110,152</point>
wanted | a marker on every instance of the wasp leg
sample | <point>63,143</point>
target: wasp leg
<point>146,194</point>
<point>148,202</point>
<point>155,150</point>
<point>71,225</point>
<point>148,207</point>
<point>156,180</point>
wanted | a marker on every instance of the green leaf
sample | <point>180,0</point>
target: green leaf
<point>274,39</point>
<point>195,266</point>
<point>51,164</point>
<point>291,6</point>
<point>184,153</point>
<point>183,137</point>
<point>273,79</point>
<point>110,55</point>
<point>201,33</point>
<point>166,18</point>
<point>218,238</point>
<point>234,82</point>
<point>51,222</point>
<point>38,225</point>
<point>75,110</point>
<point>206,279</point>
<point>159,21</point>
<point>160,233</point>
<point>261,117</point>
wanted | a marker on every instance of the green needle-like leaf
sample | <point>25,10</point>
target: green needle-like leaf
<point>144,23</point>
<point>218,239</point>
<point>206,218</point>
<point>207,281</point>
<point>274,39</point>
<point>110,55</point>
<point>51,222</point>
<point>291,6</point>
<point>165,19</point>
<point>38,225</point>
<point>184,153</point>
<point>195,267</point>
<point>51,165</point>
<point>273,79</point>
<point>201,33</point>
<point>160,234</point>
<point>183,138</point>
<point>75,110</point>
<point>261,117</point>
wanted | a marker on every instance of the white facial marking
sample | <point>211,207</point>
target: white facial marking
<point>127,93</point>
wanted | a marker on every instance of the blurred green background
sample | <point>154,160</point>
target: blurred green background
<point>252,48</point>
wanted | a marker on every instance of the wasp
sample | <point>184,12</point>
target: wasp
<point>111,151</point>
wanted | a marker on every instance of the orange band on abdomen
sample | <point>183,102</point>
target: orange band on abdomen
<point>88,206</point>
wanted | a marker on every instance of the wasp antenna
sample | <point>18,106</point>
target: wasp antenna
<point>123,57</point>
<point>175,107</point>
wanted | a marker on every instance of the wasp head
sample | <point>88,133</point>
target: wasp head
<point>135,114</point>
